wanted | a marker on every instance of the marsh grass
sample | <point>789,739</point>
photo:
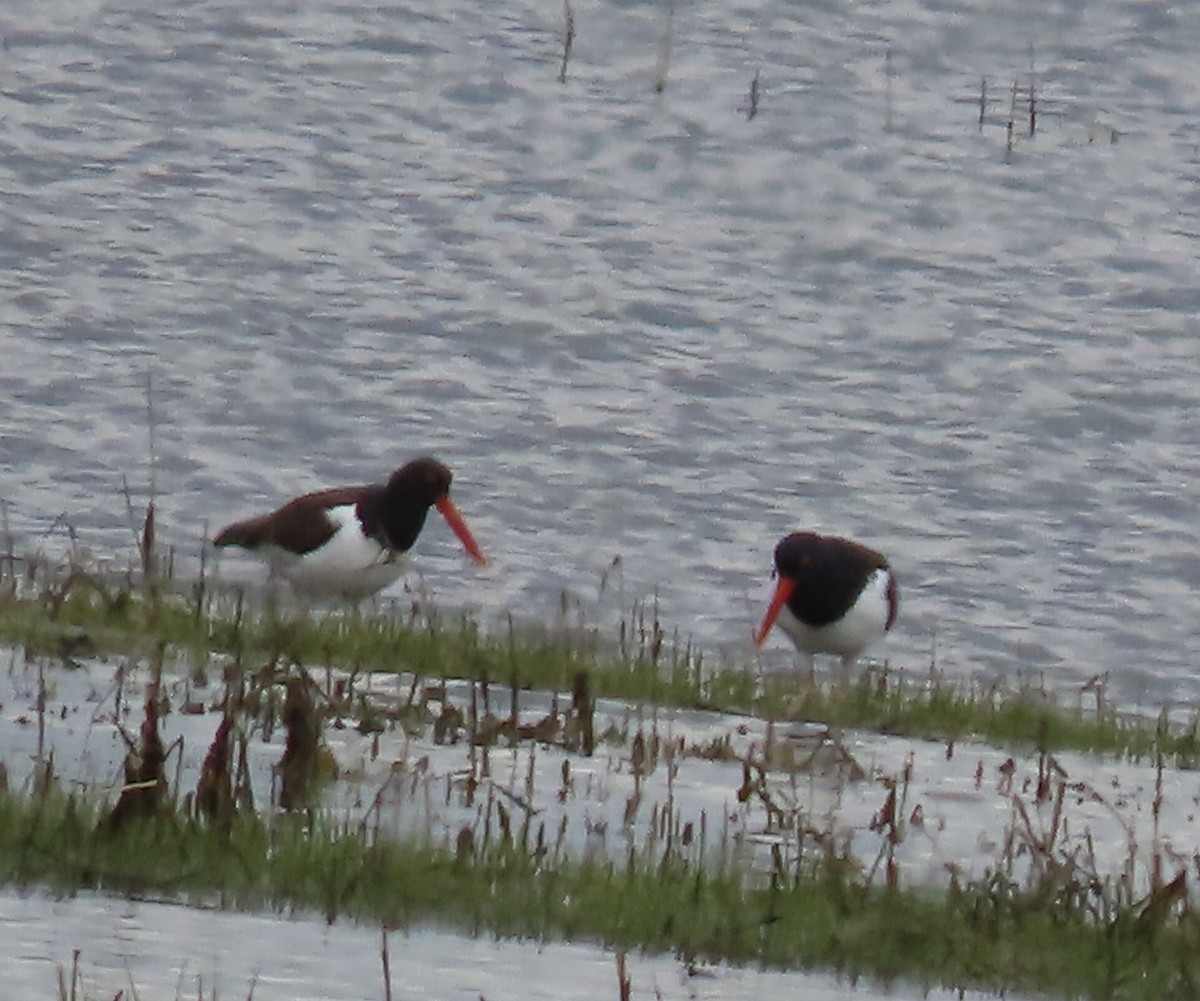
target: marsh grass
<point>990,934</point>
<point>1043,917</point>
<point>75,611</point>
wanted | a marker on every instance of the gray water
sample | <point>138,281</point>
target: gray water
<point>637,325</point>
<point>152,950</point>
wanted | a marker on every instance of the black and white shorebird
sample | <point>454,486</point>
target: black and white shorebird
<point>832,596</point>
<point>351,542</point>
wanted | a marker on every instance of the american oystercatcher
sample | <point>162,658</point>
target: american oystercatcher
<point>350,542</point>
<point>833,596</point>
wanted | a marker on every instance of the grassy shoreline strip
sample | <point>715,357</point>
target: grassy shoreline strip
<point>88,618</point>
<point>818,918</point>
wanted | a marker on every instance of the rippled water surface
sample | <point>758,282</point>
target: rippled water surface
<point>636,324</point>
<point>152,950</point>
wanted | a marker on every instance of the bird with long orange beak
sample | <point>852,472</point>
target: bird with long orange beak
<point>351,542</point>
<point>832,596</point>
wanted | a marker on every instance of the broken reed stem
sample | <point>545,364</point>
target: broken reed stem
<point>568,39</point>
<point>753,108</point>
<point>147,540</point>
<point>623,981</point>
<point>472,746</point>
<point>387,969</point>
<point>146,545</point>
<point>982,101</point>
<point>41,713</point>
<point>514,700</point>
<point>1156,813</point>
<point>152,437</point>
<point>1032,91</point>
<point>887,95</point>
<point>1032,104</point>
<point>664,52</point>
<point>298,769</point>
<point>9,555</point>
<point>1012,114</point>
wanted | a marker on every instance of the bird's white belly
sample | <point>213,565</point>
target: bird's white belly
<point>862,625</point>
<point>350,565</point>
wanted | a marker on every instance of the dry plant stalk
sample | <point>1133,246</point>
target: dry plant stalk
<point>301,751</point>
<point>1012,114</point>
<point>145,765</point>
<point>580,730</point>
<point>623,982</point>
<point>568,39</point>
<point>214,791</point>
<point>387,967</point>
<point>1032,92</point>
<point>1032,106</point>
<point>889,99</point>
<point>664,52</point>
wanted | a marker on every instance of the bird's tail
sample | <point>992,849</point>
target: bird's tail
<point>248,534</point>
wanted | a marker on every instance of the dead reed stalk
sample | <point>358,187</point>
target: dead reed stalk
<point>664,50</point>
<point>214,791</point>
<point>145,762</point>
<point>387,967</point>
<point>581,727</point>
<point>624,984</point>
<point>301,752</point>
<point>568,39</point>
<point>1009,128</point>
<point>888,96</point>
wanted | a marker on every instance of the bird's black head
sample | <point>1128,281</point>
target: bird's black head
<point>395,513</point>
<point>422,482</point>
<point>797,552</point>
<point>809,555</point>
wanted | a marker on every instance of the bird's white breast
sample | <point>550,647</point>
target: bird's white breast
<point>863,624</point>
<point>349,565</point>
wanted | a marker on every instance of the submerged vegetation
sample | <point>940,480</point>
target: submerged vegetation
<point>1043,917</point>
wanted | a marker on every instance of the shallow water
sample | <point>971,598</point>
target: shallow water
<point>161,951</point>
<point>636,325</point>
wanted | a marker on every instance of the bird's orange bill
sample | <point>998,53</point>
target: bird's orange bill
<point>783,591</point>
<point>455,520</point>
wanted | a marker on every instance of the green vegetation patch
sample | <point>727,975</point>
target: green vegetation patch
<point>80,614</point>
<point>986,936</point>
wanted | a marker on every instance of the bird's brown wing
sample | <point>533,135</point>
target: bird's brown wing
<point>300,526</point>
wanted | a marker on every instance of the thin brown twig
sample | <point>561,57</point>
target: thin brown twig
<point>568,39</point>
<point>664,52</point>
<point>387,967</point>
